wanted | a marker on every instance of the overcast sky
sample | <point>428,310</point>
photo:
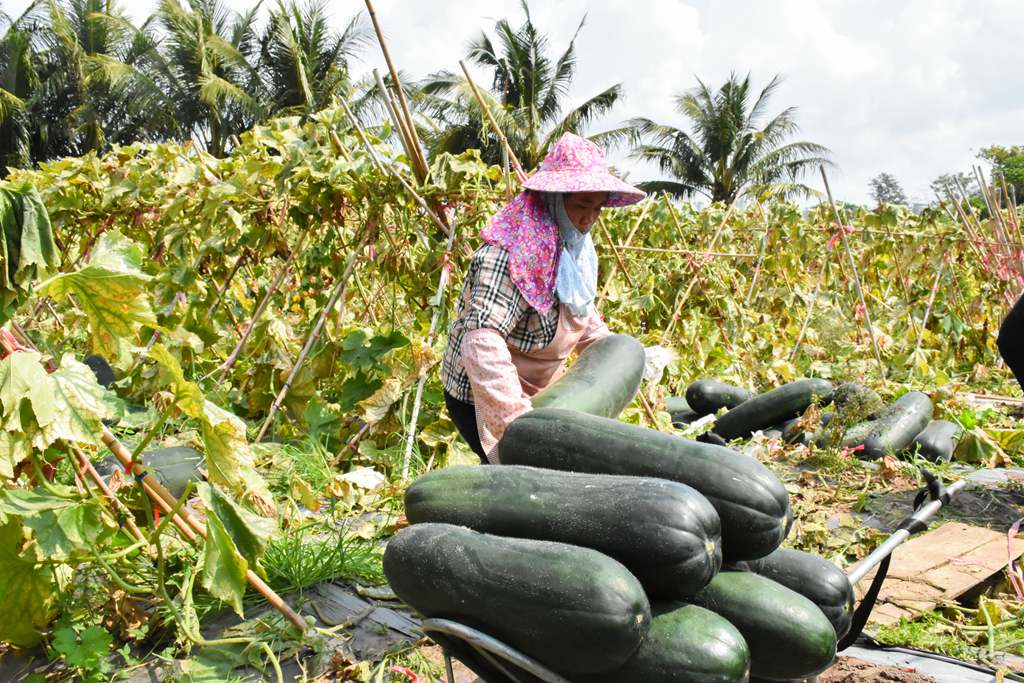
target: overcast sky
<point>912,87</point>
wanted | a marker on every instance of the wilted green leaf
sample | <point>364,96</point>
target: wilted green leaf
<point>376,407</point>
<point>224,568</point>
<point>229,458</point>
<point>249,532</point>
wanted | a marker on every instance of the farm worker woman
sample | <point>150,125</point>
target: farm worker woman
<point>528,298</point>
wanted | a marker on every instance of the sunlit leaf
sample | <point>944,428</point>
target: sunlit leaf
<point>112,290</point>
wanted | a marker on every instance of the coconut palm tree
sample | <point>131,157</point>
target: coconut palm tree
<point>19,82</point>
<point>528,93</point>
<point>303,62</point>
<point>76,78</point>
<point>209,67</point>
<point>731,151</point>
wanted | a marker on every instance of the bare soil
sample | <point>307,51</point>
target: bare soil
<point>851,670</point>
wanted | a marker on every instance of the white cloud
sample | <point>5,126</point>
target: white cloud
<point>914,88</point>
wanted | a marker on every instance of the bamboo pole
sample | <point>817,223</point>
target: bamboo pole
<point>853,269</point>
<point>810,307</point>
<point>339,291</point>
<point>419,161</point>
<point>442,284</point>
<point>386,168</point>
<point>927,314</point>
<point>227,282</point>
<point>166,501</point>
<point>618,260</point>
<point>285,269</point>
<point>520,173</point>
<point>189,526</point>
<point>396,120</point>
<point>686,252</point>
<point>760,259</point>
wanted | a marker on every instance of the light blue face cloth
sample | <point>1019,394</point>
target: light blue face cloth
<point>576,282</point>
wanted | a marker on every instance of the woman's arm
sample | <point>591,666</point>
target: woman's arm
<point>492,310</point>
<point>498,395</point>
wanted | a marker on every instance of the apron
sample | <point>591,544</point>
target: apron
<point>539,369</point>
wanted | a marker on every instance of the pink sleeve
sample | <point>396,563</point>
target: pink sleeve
<point>497,394</point>
<point>596,329</point>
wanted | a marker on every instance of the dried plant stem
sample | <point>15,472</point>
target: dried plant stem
<point>339,290</point>
<point>855,274</point>
<point>222,371</point>
<point>438,303</point>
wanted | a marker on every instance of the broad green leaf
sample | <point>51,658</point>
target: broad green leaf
<point>224,568</point>
<point>27,598</point>
<point>360,351</point>
<point>85,650</point>
<point>250,532</point>
<point>62,527</point>
<point>112,290</point>
<point>39,408</point>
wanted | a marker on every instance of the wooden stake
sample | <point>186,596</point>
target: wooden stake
<point>618,261</point>
<point>285,269</point>
<point>339,290</point>
<point>227,282</point>
<point>442,283</point>
<point>419,161</point>
<point>388,168</point>
<point>680,301</point>
<point>855,274</point>
<point>927,314</point>
<point>618,258</point>
<point>810,307</point>
<point>520,173</point>
<point>396,120</point>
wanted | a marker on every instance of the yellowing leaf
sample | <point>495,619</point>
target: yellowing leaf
<point>79,404</point>
<point>112,290</point>
<point>304,492</point>
<point>22,377</point>
<point>376,407</point>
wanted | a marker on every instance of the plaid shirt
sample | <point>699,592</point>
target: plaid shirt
<point>490,299</point>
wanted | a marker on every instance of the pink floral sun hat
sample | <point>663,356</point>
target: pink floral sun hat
<point>575,164</point>
<point>529,234</point>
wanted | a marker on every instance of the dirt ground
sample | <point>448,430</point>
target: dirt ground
<point>851,670</point>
